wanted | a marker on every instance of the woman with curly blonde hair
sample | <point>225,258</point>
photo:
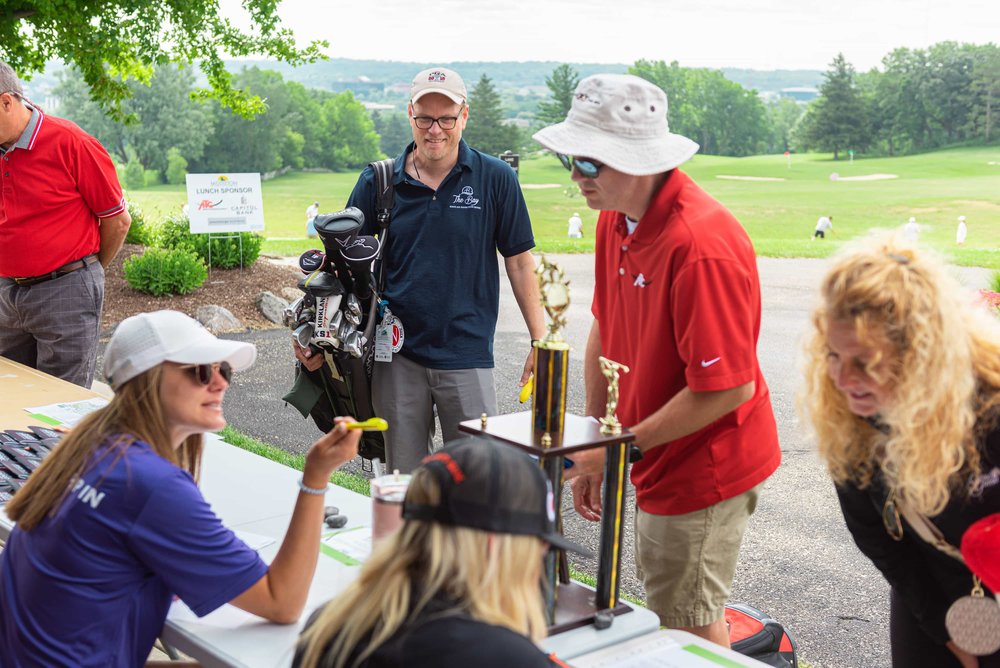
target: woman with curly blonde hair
<point>458,584</point>
<point>903,392</point>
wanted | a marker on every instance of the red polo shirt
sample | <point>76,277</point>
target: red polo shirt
<point>56,182</point>
<point>678,302</point>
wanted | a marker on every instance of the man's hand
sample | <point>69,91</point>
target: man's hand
<point>307,357</point>
<point>529,366</point>
<point>587,496</point>
<point>586,462</point>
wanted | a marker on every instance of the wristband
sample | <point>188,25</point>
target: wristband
<point>634,453</point>
<point>312,490</point>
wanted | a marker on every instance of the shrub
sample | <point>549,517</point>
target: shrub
<point>152,177</point>
<point>162,271</point>
<point>175,233</point>
<point>140,232</point>
<point>995,281</point>
<point>176,167</point>
<point>135,175</point>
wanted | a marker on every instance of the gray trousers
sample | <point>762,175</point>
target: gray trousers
<point>53,326</point>
<point>405,394</point>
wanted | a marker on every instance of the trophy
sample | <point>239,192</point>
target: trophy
<point>549,433</point>
<point>548,399</point>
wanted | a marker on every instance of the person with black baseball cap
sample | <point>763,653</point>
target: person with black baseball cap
<point>458,583</point>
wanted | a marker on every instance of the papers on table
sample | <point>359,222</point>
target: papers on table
<point>224,617</point>
<point>66,414</point>
<point>254,541</point>
<point>659,650</point>
<point>350,546</point>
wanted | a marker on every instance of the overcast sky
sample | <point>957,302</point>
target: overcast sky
<point>760,34</point>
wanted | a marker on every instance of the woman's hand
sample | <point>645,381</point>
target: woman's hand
<point>967,660</point>
<point>329,452</point>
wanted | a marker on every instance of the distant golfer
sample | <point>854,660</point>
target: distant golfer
<point>311,214</point>
<point>575,227</point>
<point>823,225</point>
<point>962,232</point>
<point>911,230</point>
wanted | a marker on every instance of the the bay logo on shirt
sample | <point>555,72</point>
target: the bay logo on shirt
<point>465,199</point>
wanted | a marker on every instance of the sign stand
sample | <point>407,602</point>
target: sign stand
<point>219,235</point>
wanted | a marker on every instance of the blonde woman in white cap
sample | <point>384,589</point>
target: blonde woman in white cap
<point>962,232</point>
<point>677,300</point>
<point>112,525</point>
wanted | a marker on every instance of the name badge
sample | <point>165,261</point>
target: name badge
<point>389,337</point>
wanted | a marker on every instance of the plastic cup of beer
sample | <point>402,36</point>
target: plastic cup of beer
<point>388,492</point>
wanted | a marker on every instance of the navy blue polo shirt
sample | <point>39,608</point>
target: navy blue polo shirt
<point>442,277</point>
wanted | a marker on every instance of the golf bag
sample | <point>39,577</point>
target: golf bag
<point>337,316</point>
<point>753,633</point>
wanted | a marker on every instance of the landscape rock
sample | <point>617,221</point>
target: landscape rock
<point>290,294</point>
<point>218,319</point>
<point>271,306</point>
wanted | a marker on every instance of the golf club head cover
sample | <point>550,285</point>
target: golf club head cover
<point>321,284</point>
<point>359,255</point>
<point>312,260</point>
<point>337,231</point>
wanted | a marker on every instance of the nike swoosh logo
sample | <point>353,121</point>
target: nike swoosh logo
<point>707,363</point>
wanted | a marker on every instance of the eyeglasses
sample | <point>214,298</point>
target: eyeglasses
<point>203,372</point>
<point>589,169</point>
<point>444,122</point>
<point>890,517</point>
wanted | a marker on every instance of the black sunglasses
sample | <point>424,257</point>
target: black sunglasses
<point>589,169</point>
<point>203,372</point>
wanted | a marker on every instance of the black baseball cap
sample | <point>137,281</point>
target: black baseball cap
<point>491,487</point>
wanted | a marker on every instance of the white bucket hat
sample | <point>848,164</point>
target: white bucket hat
<point>619,120</point>
<point>144,341</point>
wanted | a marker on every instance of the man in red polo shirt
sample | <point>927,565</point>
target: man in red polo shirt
<point>677,300</point>
<point>62,220</point>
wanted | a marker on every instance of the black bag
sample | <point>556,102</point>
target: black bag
<point>753,633</point>
<point>347,388</point>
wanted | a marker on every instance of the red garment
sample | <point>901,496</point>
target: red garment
<point>52,194</point>
<point>678,302</point>
<point>981,549</point>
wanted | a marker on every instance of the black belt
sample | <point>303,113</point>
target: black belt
<point>61,271</point>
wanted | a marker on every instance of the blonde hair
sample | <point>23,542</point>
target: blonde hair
<point>943,373</point>
<point>490,577</point>
<point>135,413</point>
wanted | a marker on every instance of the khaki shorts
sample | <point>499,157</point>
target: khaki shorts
<point>687,562</point>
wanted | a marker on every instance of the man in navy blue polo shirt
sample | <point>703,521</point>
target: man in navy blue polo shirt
<point>455,208</point>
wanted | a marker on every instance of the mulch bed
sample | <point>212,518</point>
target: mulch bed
<point>234,289</point>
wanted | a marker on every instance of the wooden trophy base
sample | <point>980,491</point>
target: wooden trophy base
<point>576,607</point>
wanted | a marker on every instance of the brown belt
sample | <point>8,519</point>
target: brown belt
<point>61,271</point>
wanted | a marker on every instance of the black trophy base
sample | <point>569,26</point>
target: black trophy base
<point>575,607</point>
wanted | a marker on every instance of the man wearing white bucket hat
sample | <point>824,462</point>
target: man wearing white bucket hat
<point>677,300</point>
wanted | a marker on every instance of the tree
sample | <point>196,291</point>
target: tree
<point>114,41</point>
<point>562,84</point>
<point>986,87</point>
<point>352,141</point>
<point>393,131</point>
<point>167,116</point>
<point>836,120</point>
<point>783,114</point>
<point>486,130</point>
<point>176,167</point>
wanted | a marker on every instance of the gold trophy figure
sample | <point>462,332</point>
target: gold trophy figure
<point>548,405</point>
<point>611,369</point>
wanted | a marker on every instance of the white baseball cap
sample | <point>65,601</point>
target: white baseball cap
<point>438,80</point>
<point>621,121</point>
<point>144,341</point>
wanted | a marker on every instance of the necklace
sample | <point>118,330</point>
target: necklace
<point>415,168</point>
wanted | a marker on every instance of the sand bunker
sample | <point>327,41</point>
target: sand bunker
<point>749,178</point>
<point>539,186</point>
<point>869,177</point>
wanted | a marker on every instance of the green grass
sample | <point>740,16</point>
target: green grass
<point>276,454</point>
<point>779,215</point>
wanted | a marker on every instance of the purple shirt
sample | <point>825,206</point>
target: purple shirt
<point>92,585</point>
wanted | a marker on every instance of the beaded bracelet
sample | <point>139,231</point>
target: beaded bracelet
<point>312,490</point>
